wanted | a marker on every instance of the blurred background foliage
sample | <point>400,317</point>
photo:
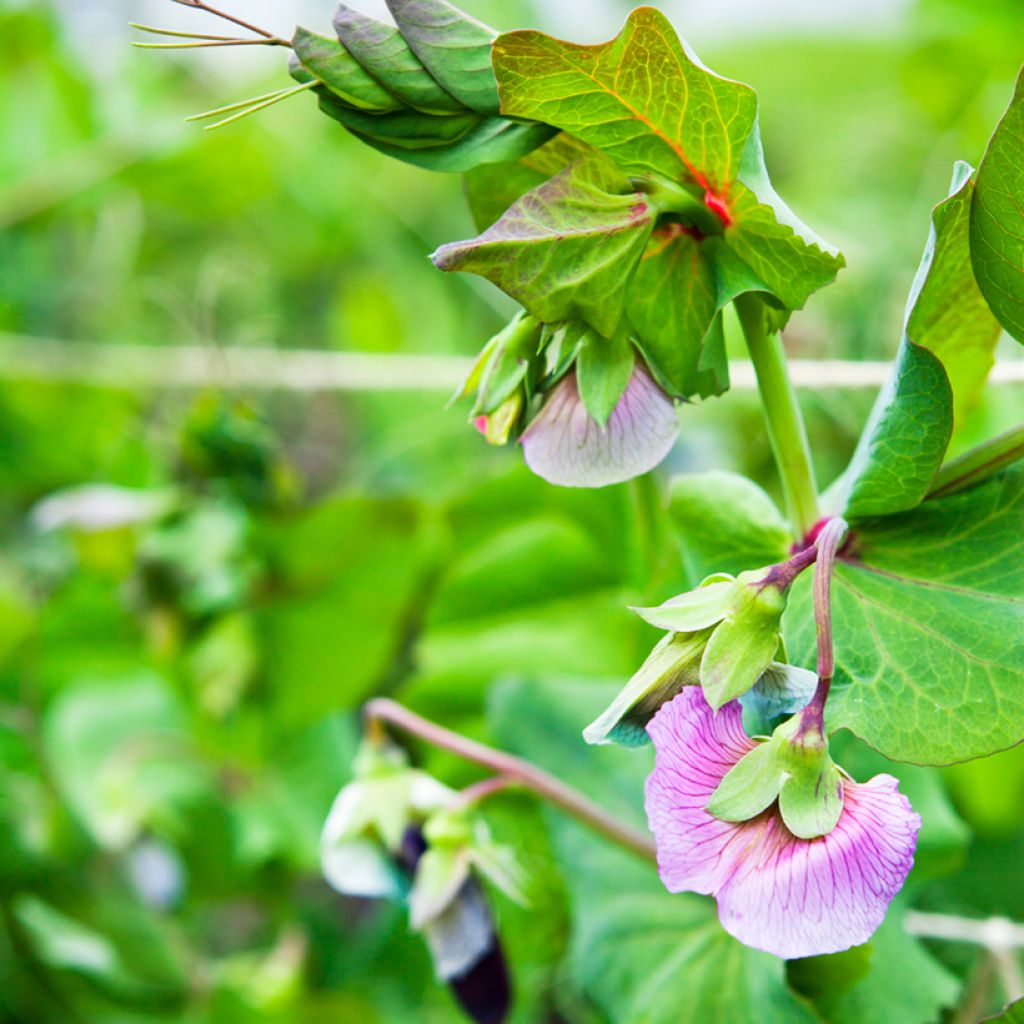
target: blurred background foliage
<point>198,590</point>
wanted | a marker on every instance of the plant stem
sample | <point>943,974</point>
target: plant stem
<point>514,768</point>
<point>979,463</point>
<point>202,6</point>
<point>830,539</point>
<point>786,431</point>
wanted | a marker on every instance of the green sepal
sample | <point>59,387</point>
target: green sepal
<point>811,802</point>
<point>440,874</point>
<point>745,642</point>
<point>329,61</point>
<point>454,48</point>
<point>381,51</point>
<point>811,798</point>
<point>503,422</point>
<point>508,356</point>
<point>603,371</point>
<point>561,345</point>
<point>793,767</point>
<point>671,665</point>
<point>751,786</point>
<point>739,651</point>
<point>705,606</point>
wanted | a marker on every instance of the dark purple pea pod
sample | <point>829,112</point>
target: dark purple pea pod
<point>464,945</point>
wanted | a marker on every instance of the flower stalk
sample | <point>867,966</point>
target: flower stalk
<point>829,542</point>
<point>786,431</point>
<point>514,770</point>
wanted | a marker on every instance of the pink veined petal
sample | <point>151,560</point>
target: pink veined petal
<point>565,446</point>
<point>787,896</point>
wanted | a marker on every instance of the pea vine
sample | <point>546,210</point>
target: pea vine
<point>623,200</point>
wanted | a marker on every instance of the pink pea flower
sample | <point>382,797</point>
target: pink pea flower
<point>564,445</point>
<point>788,896</point>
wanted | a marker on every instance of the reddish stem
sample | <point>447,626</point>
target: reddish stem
<point>514,769</point>
<point>830,540</point>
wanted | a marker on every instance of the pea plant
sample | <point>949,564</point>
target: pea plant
<point>623,201</point>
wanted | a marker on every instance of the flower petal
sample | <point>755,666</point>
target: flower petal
<point>787,896</point>
<point>359,867</point>
<point>782,690</point>
<point>565,446</point>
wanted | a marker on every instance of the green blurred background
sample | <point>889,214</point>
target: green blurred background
<point>182,651</point>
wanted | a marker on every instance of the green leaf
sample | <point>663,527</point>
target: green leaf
<point>673,307</point>
<point>492,188</point>
<point>640,98</point>
<point>381,50</point>
<point>643,955</point>
<point>603,370</point>
<point>566,250</point>
<point>997,218</point>
<point>1013,1014</point>
<point>900,981</point>
<point>944,358</point>
<point>903,442</point>
<point>340,72</point>
<point>928,626</point>
<point>119,753</point>
<point>725,523</point>
<point>448,143</point>
<point>455,49</point>
<point>643,101</point>
<point>350,573</point>
<point>947,313</point>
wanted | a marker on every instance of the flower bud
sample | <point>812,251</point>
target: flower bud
<point>369,817</point>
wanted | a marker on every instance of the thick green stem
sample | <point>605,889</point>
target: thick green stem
<point>979,463</point>
<point>786,431</point>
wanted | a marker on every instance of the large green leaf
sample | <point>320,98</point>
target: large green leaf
<point>944,358</point>
<point>566,250</point>
<point>726,523</point>
<point>997,218</point>
<point>455,49</point>
<point>901,982</point>
<point>655,111</point>
<point>643,955</point>
<point>928,626</point>
<point>640,98</point>
<point>947,313</point>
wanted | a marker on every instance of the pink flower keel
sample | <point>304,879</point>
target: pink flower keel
<point>788,896</point>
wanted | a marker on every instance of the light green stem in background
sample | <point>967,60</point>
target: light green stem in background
<point>979,463</point>
<point>786,431</point>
